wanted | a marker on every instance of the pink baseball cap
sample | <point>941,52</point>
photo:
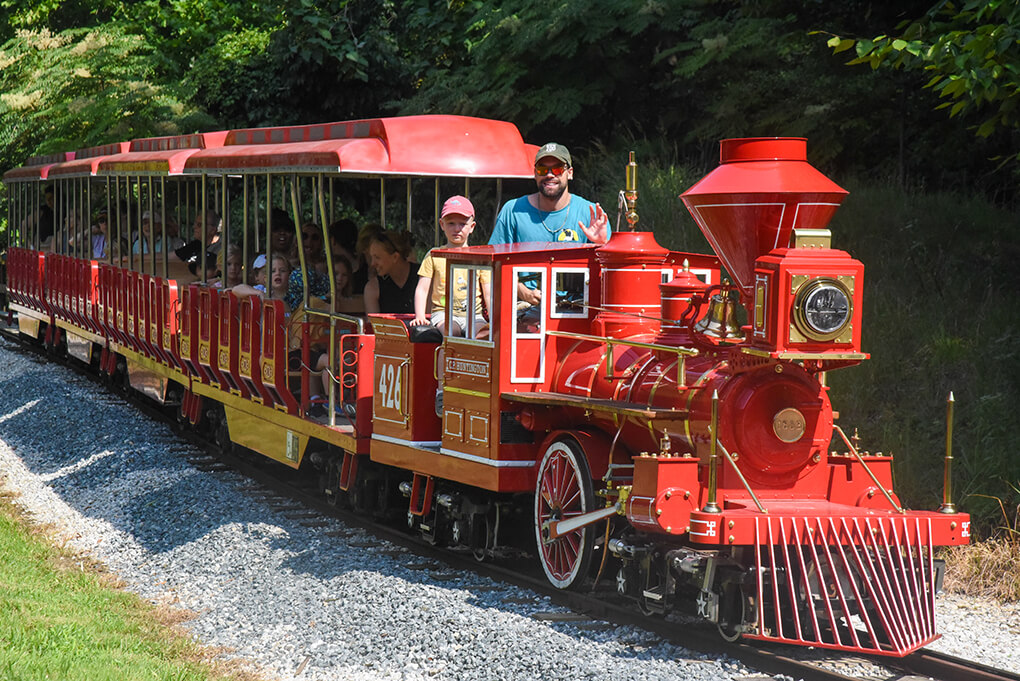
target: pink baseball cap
<point>458,205</point>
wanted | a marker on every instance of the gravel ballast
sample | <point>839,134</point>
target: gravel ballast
<point>318,600</point>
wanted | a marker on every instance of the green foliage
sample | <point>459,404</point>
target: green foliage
<point>971,52</point>
<point>693,72</point>
<point>81,87</point>
<point>539,63</point>
<point>55,15</point>
<point>941,315</point>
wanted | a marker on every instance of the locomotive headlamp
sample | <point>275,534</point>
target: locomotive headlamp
<point>823,309</point>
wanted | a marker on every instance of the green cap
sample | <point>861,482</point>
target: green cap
<point>557,151</point>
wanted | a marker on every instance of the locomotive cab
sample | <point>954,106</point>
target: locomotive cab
<point>479,437</point>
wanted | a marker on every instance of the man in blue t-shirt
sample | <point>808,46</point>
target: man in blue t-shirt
<point>552,213</point>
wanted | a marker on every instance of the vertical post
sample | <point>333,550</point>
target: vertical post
<point>711,505</point>
<point>947,483</point>
<point>631,194</point>
<point>203,206</point>
<point>245,262</point>
<point>435,218</point>
<point>224,228</point>
<point>162,219</point>
<point>269,234</point>
<point>108,243</point>
<point>88,219</point>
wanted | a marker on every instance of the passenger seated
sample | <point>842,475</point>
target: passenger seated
<point>231,268</point>
<point>277,283</point>
<point>150,238</point>
<point>318,283</point>
<point>392,288</point>
<point>457,220</point>
<point>99,238</point>
<point>343,240</point>
<point>191,252</point>
<point>311,244</point>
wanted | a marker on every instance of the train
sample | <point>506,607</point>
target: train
<point>659,419</point>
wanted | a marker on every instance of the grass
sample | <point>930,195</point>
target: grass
<point>988,568</point>
<point>60,618</point>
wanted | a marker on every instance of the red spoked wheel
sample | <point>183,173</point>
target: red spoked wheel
<point>563,491</point>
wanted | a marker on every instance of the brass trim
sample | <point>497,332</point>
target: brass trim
<point>681,353</point>
<point>465,391</point>
<point>805,355</point>
<point>812,238</point>
<point>867,469</point>
<point>731,458</point>
<point>616,407</point>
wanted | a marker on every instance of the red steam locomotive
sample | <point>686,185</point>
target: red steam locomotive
<point>645,413</point>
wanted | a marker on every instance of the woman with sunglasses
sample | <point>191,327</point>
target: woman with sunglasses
<point>552,213</point>
<point>318,282</point>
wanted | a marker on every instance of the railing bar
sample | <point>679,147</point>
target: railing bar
<point>896,558</point>
<point>759,587</point>
<point>895,627</point>
<point>930,574</point>
<point>807,585</point>
<point>844,605</point>
<point>743,480</point>
<point>869,575</point>
<point>813,542</point>
<point>910,579</point>
<point>690,352</point>
<point>922,582</point>
<point>775,582</point>
<point>861,605</point>
<point>867,469</point>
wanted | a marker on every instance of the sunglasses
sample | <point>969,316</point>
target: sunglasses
<point>542,171</point>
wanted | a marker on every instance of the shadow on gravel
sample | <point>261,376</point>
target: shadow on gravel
<point>110,463</point>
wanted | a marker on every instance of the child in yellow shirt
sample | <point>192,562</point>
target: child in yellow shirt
<point>457,219</point>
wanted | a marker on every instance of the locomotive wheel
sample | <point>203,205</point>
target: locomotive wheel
<point>564,490</point>
<point>733,610</point>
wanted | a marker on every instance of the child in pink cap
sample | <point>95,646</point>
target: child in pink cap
<point>457,219</point>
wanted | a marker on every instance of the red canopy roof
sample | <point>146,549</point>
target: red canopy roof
<point>159,155</point>
<point>36,168</point>
<point>433,145</point>
<point>86,161</point>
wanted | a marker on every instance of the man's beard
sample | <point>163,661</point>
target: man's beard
<point>553,192</point>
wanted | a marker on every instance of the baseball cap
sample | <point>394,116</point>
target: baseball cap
<point>459,205</point>
<point>557,151</point>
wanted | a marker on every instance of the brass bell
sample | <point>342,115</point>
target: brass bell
<point>719,322</point>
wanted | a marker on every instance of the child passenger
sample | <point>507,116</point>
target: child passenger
<point>278,276</point>
<point>457,220</point>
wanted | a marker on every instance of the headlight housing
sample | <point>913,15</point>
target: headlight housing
<point>822,309</point>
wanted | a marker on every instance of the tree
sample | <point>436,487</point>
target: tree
<point>82,87</point>
<point>972,52</point>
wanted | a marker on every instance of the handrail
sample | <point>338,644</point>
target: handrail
<point>867,469</point>
<point>340,316</point>
<point>743,480</point>
<point>681,353</point>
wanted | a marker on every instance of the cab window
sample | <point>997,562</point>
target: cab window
<point>571,297</point>
<point>529,293</point>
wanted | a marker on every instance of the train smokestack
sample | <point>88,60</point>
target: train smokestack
<point>762,190</point>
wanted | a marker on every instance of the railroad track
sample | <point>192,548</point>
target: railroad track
<point>295,496</point>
